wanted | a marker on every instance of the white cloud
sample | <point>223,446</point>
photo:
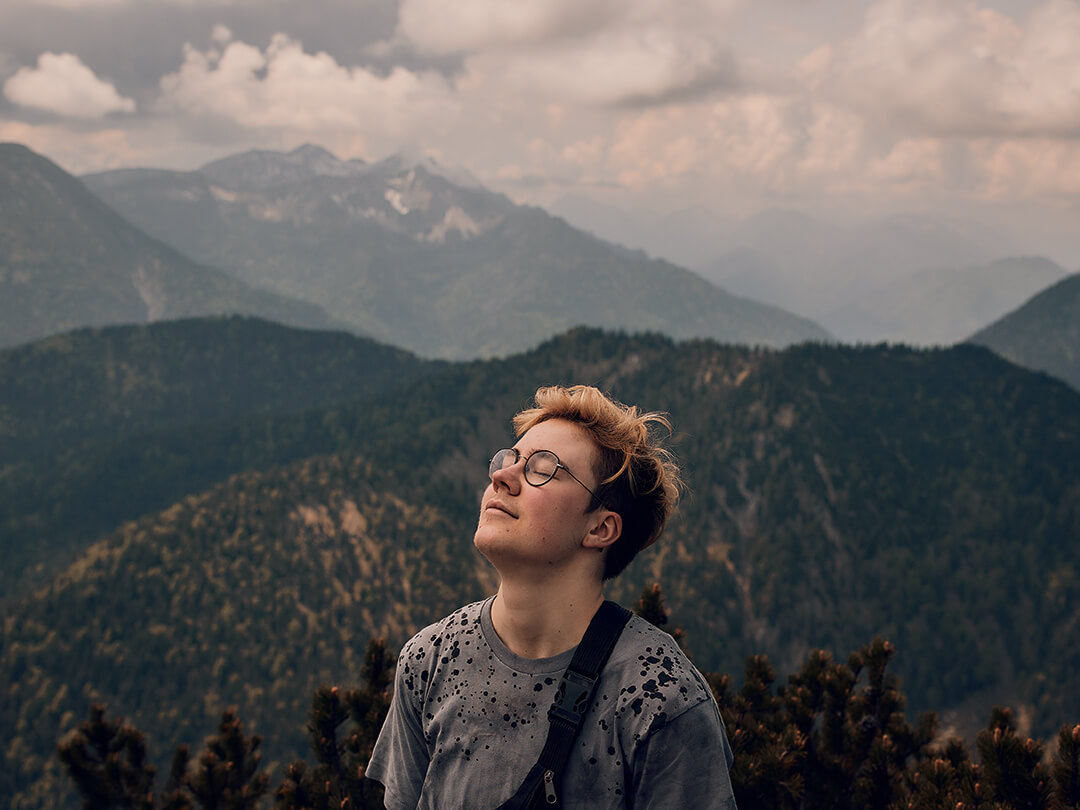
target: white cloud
<point>912,164</point>
<point>62,84</point>
<point>1029,169</point>
<point>285,88</point>
<point>619,67</point>
<point>960,70</point>
<point>221,34</point>
<point>608,52</point>
<point>725,102</point>
<point>467,26</point>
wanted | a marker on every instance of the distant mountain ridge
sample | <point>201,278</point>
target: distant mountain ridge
<point>916,279</point>
<point>942,306</point>
<point>68,260</point>
<point>1043,333</point>
<point>420,257</point>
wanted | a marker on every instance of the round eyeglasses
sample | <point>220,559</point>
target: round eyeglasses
<point>540,467</point>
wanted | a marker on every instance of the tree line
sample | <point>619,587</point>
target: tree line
<point>834,736</point>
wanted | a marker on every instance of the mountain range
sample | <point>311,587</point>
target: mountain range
<point>68,260</point>
<point>425,258</point>
<point>221,510</point>
<point>890,285</point>
<point>406,253</point>
<point>905,278</point>
<point>942,306</point>
<point>837,493</point>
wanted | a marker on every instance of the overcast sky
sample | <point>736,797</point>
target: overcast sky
<point>736,105</point>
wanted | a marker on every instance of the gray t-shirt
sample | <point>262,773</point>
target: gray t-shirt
<point>469,717</point>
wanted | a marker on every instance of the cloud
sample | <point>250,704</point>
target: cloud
<point>617,68</point>
<point>75,152</point>
<point>62,84</point>
<point>609,52</point>
<point>723,102</point>
<point>285,88</point>
<point>1030,168</point>
<point>468,26</point>
<point>923,67</point>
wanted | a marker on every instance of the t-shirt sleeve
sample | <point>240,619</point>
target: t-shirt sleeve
<point>685,763</point>
<point>400,758</point>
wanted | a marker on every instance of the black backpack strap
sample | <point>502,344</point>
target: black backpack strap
<point>542,785</point>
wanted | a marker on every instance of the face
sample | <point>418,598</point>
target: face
<point>540,526</point>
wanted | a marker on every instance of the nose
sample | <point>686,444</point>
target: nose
<point>509,477</point>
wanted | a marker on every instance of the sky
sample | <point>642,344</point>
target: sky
<point>842,107</point>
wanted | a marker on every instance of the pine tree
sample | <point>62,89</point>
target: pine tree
<point>1012,765</point>
<point>1066,770</point>
<point>338,781</point>
<point>651,607</point>
<point>834,736</point>
<point>769,750</point>
<point>226,775</point>
<point>948,778</point>
<point>822,741</point>
<point>107,762</point>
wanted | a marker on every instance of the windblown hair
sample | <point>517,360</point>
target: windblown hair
<point>639,479</point>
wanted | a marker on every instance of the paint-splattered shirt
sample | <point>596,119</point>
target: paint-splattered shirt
<point>469,718</point>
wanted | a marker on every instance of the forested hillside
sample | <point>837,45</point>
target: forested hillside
<point>130,379</point>
<point>69,401</point>
<point>932,497</point>
<point>249,595</point>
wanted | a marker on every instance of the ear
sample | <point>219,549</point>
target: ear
<point>605,531</point>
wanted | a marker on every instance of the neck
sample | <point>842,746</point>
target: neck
<point>539,621</point>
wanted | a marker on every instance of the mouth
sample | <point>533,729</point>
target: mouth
<point>498,507</point>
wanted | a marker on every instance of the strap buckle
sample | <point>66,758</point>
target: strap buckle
<point>572,697</point>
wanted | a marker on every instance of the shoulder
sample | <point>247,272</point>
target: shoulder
<point>437,642</point>
<point>656,681</point>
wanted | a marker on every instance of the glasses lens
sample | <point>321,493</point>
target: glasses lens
<point>541,467</point>
<point>502,460</point>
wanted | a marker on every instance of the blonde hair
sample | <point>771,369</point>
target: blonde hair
<point>639,479</point>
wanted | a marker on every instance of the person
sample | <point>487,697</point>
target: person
<point>583,490</point>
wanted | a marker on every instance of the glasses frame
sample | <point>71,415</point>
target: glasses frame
<point>492,469</point>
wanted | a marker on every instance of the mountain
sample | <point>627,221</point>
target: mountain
<point>67,396</point>
<point>838,493</point>
<point>687,236</point>
<point>841,275</point>
<point>97,382</point>
<point>251,594</point>
<point>67,260</point>
<point>944,305</point>
<point>819,267</point>
<point>1043,334</point>
<point>419,257</point>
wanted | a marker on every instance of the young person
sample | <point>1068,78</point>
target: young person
<point>583,490</point>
